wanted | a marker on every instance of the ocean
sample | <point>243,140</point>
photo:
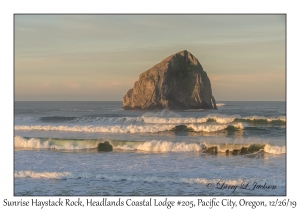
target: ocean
<point>239,149</point>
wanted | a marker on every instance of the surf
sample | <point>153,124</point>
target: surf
<point>152,118</point>
<point>150,178</point>
<point>148,146</point>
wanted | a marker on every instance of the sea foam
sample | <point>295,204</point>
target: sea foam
<point>148,146</point>
<point>137,178</point>
<point>146,128</point>
<point>272,149</point>
<point>39,175</point>
<point>35,143</point>
<point>100,129</point>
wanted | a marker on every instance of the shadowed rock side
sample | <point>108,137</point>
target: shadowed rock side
<point>106,147</point>
<point>178,82</point>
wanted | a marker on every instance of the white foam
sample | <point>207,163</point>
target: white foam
<point>100,129</point>
<point>164,146</point>
<point>158,120</point>
<point>233,182</point>
<point>223,119</point>
<point>39,175</point>
<point>238,125</point>
<point>115,177</point>
<point>269,119</point>
<point>60,175</point>
<point>52,144</point>
<point>275,149</point>
<point>30,143</point>
<point>207,128</point>
<point>220,104</point>
<point>214,128</point>
<point>149,146</point>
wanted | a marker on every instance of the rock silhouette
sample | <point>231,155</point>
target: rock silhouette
<point>178,82</point>
<point>105,146</point>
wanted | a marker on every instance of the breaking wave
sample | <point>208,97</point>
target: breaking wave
<point>221,119</point>
<point>156,119</point>
<point>214,128</point>
<point>100,129</point>
<point>275,149</point>
<point>173,120</point>
<point>149,146</point>
<point>60,144</point>
<point>146,128</point>
<point>40,175</point>
<point>137,178</point>
<point>262,118</point>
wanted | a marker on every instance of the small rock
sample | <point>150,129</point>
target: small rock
<point>104,147</point>
<point>211,150</point>
<point>244,151</point>
<point>236,152</point>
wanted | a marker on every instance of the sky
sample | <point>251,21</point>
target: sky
<point>99,57</point>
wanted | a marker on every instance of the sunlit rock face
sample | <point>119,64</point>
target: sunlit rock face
<point>177,82</point>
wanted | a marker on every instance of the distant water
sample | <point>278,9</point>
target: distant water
<point>189,152</point>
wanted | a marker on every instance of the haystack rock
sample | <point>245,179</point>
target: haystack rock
<point>178,82</point>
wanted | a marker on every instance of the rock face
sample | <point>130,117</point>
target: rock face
<point>178,82</point>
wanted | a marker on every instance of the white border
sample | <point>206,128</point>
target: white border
<point>8,8</point>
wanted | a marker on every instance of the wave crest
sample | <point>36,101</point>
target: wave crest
<point>149,146</point>
<point>148,178</point>
<point>272,149</point>
<point>148,128</point>
<point>164,146</point>
<point>207,128</point>
<point>173,120</point>
<point>69,144</point>
<point>39,175</point>
<point>100,129</point>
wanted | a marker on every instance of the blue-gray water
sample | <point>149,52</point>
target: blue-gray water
<point>154,152</point>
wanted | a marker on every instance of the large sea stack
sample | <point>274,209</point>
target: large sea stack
<point>178,82</point>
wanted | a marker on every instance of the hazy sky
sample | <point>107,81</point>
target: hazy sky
<point>99,57</point>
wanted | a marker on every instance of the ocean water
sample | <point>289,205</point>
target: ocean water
<point>239,149</point>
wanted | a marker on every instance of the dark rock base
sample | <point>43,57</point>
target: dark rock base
<point>105,147</point>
